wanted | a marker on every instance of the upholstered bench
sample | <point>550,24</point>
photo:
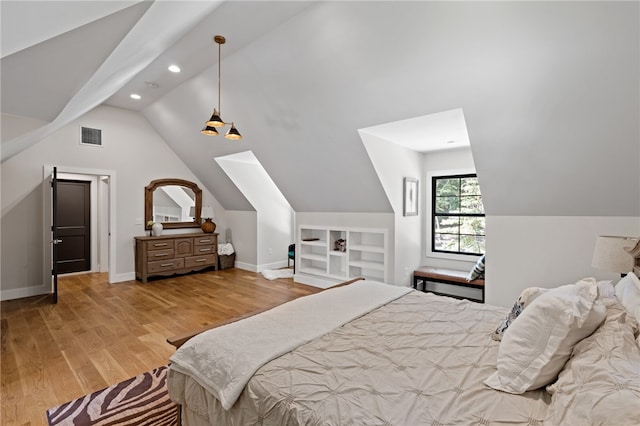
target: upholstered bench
<point>426,274</point>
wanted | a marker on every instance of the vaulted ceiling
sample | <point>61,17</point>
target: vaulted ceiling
<point>549,90</point>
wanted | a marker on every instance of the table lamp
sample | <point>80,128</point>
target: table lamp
<point>612,253</point>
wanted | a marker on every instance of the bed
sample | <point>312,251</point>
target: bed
<point>414,358</point>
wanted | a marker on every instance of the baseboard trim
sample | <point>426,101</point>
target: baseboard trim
<point>19,293</point>
<point>118,278</point>
<point>314,281</point>
<point>275,265</point>
<point>246,266</point>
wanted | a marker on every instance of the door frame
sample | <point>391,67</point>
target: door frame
<point>111,197</point>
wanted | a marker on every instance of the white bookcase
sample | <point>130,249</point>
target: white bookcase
<point>364,255</point>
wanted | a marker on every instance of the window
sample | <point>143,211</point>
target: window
<point>458,220</point>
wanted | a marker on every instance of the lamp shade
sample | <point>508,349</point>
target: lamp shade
<point>209,131</point>
<point>215,120</point>
<point>611,253</point>
<point>207,212</point>
<point>233,133</point>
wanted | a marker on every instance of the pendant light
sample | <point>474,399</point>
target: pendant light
<point>215,120</point>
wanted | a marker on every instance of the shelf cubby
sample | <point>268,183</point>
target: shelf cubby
<point>364,255</point>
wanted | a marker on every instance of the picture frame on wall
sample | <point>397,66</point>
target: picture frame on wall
<point>410,197</point>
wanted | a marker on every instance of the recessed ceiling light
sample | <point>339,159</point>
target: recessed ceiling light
<point>135,96</point>
<point>174,68</point>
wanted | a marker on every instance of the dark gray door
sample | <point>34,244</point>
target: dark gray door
<point>72,212</point>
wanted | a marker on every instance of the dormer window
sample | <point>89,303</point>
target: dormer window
<point>458,217</point>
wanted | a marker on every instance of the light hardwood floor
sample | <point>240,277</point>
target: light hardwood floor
<point>100,334</point>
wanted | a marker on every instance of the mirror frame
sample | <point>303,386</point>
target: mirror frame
<point>148,203</point>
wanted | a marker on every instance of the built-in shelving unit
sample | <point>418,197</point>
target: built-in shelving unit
<point>363,253</point>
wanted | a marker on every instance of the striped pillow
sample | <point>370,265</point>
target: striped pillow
<point>478,270</point>
<point>527,296</point>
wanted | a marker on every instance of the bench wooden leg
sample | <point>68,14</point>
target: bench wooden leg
<point>417,281</point>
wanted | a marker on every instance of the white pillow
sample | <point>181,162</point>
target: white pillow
<point>628,293</point>
<point>540,340</point>
<point>527,296</point>
<point>600,384</point>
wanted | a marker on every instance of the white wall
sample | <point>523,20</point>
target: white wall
<point>274,214</point>
<point>131,149</point>
<point>393,163</point>
<point>545,251</point>
<point>14,126</point>
<point>242,232</point>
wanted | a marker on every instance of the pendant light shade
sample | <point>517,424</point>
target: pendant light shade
<point>209,131</point>
<point>233,133</point>
<point>215,120</point>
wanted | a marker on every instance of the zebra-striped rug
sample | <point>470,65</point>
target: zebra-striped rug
<point>140,400</point>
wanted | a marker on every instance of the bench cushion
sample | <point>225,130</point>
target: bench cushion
<point>446,275</point>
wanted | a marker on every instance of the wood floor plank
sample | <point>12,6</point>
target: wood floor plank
<point>87,376</point>
<point>108,367</point>
<point>100,333</point>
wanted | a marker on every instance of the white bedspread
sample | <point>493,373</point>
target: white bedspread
<point>223,360</point>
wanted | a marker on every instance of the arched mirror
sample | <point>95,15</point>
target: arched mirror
<point>176,203</point>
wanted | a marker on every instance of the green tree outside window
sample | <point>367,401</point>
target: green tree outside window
<point>458,215</point>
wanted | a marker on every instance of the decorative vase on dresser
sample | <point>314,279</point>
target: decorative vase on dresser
<point>175,254</point>
<point>208,226</point>
<point>156,229</point>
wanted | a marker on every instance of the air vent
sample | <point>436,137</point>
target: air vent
<point>91,136</point>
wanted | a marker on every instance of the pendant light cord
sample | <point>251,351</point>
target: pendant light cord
<point>219,60</point>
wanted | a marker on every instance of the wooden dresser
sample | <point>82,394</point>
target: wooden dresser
<point>175,254</point>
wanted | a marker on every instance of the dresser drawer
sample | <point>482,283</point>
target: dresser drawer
<point>159,244</point>
<point>206,260</point>
<point>199,250</point>
<point>166,265</point>
<point>204,240</point>
<point>160,254</point>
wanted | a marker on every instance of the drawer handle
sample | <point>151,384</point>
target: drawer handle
<point>166,264</point>
<point>205,249</point>
<point>201,260</point>
<point>161,255</point>
<point>205,241</point>
<point>159,244</point>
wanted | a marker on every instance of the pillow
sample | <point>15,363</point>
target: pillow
<point>600,384</point>
<point>526,297</point>
<point>477,271</point>
<point>606,290</point>
<point>540,341</point>
<point>628,293</point>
